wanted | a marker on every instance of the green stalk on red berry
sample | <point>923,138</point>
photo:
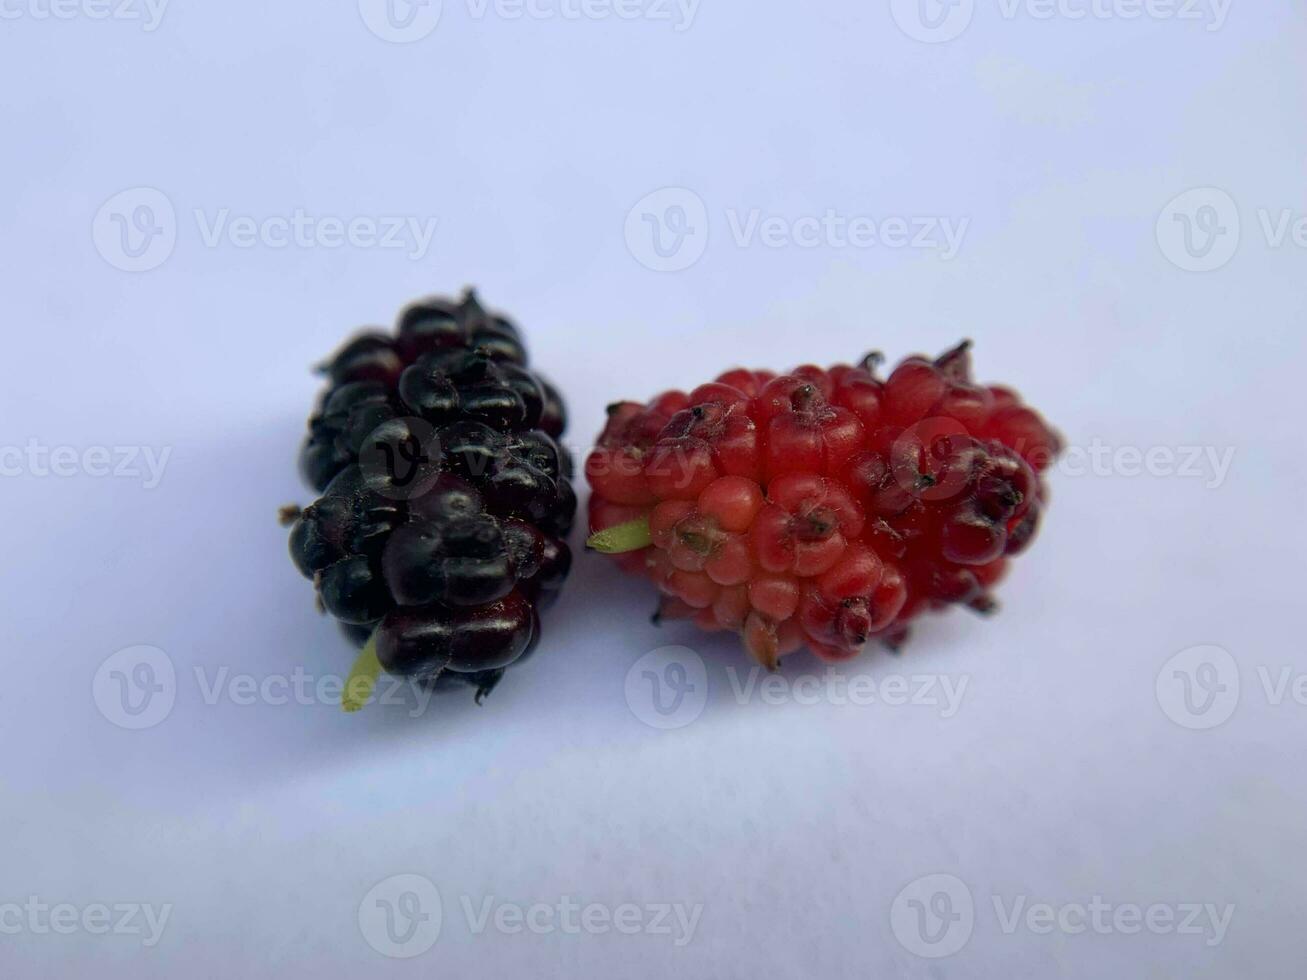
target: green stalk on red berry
<point>824,508</point>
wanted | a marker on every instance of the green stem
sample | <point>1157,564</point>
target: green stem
<point>623,538</point>
<point>362,678</point>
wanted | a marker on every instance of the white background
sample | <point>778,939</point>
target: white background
<point>1063,775</point>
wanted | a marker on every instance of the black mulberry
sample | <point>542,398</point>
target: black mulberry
<point>446,499</point>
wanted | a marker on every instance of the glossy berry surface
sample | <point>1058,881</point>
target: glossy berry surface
<point>824,508</point>
<point>445,499</point>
